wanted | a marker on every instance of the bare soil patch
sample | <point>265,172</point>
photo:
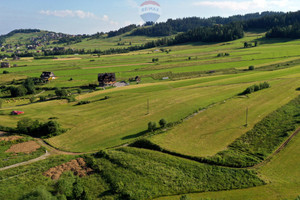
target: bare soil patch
<point>78,167</point>
<point>10,138</point>
<point>25,147</point>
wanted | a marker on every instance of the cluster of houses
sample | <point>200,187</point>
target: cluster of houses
<point>5,65</point>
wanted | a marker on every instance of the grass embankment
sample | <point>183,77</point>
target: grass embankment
<point>282,175</point>
<point>157,174</point>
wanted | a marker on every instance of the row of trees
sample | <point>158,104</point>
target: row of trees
<point>173,26</point>
<point>291,31</point>
<point>217,33</point>
<point>152,125</point>
<point>122,30</point>
<point>255,88</point>
<point>203,34</point>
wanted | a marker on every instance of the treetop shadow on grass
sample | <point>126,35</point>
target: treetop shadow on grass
<point>128,137</point>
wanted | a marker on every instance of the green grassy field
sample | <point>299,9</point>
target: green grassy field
<point>215,128</point>
<point>204,82</point>
<point>172,100</point>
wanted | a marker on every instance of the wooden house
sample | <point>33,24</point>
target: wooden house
<point>106,79</point>
<point>48,76</point>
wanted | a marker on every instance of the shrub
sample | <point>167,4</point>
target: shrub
<point>39,193</point>
<point>183,197</point>
<point>5,72</point>
<point>255,88</point>
<point>62,92</point>
<point>151,126</point>
<point>79,91</point>
<point>29,85</point>
<point>83,102</point>
<point>251,68</point>
<point>71,98</point>
<point>43,98</point>
<point>162,123</point>
<point>18,91</point>
<point>32,99</point>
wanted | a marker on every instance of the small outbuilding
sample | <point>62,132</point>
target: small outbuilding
<point>48,76</point>
<point>106,79</point>
<point>138,79</point>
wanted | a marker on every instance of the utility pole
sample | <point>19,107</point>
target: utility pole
<point>247,110</point>
<point>148,107</point>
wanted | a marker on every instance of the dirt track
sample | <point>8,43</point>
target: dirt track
<point>59,152</point>
<point>55,151</point>
<point>43,157</point>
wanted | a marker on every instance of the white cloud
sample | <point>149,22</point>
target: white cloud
<point>243,5</point>
<point>132,3</point>
<point>77,13</point>
<point>69,13</point>
<point>105,18</point>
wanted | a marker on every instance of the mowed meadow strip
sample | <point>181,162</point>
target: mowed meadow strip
<point>217,127</point>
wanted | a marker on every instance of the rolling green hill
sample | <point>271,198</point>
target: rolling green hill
<point>195,87</point>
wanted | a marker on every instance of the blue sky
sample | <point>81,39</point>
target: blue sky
<point>91,16</point>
